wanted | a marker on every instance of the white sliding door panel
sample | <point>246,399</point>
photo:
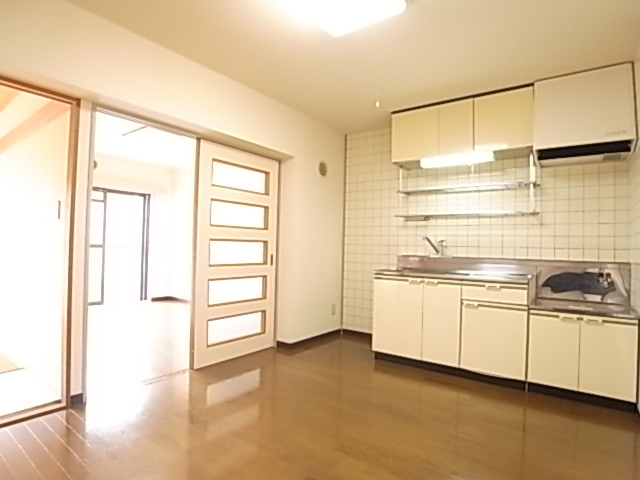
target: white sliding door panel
<point>234,293</point>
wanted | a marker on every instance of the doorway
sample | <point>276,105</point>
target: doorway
<point>35,179</point>
<point>140,255</point>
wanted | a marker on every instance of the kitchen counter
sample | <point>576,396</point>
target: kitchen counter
<point>458,274</point>
<point>598,309</point>
<point>506,272</point>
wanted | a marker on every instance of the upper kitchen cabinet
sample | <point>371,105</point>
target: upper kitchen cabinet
<point>455,127</point>
<point>504,120</point>
<point>587,108</point>
<point>414,135</point>
<point>430,132</point>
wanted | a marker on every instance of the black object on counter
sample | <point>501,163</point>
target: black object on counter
<point>589,283</point>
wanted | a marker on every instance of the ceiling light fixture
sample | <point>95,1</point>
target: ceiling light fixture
<point>339,17</point>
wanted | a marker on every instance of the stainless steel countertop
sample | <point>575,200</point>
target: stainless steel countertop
<point>598,309</point>
<point>460,275</point>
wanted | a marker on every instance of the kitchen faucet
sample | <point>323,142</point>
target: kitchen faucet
<point>433,245</point>
<point>439,248</point>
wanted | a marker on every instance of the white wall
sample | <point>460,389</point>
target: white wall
<point>60,46</point>
<point>32,181</point>
<point>181,235</point>
<point>584,215</point>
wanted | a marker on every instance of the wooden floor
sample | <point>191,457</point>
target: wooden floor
<point>132,342</point>
<point>326,412</point>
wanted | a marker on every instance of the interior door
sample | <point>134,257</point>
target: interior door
<point>234,289</point>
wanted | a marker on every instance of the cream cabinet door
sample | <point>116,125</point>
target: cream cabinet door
<point>441,323</point>
<point>494,340</point>
<point>554,350</point>
<point>414,135</point>
<point>588,107</point>
<point>455,127</point>
<point>504,120</point>
<point>608,358</point>
<point>397,317</point>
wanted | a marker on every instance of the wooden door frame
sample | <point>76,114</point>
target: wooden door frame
<point>68,213</point>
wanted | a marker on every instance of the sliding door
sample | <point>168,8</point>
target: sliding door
<point>235,254</point>
<point>34,194</point>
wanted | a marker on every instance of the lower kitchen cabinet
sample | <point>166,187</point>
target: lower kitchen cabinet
<point>441,322</point>
<point>494,339</point>
<point>608,358</point>
<point>554,346</point>
<point>397,317</point>
<point>583,353</point>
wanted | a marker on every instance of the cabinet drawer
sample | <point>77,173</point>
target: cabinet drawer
<point>494,340</point>
<point>496,292</point>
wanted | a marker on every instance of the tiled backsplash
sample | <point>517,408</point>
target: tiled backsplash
<point>584,215</point>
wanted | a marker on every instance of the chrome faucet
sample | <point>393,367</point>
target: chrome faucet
<point>433,245</point>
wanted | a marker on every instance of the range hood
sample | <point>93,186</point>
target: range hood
<point>585,117</point>
<point>594,152</point>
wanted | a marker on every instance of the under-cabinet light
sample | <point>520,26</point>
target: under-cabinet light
<point>457,159</point>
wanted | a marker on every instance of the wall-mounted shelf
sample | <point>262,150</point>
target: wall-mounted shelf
<point>528,184</point>
<point>478,187</point>
<point>417,217</point>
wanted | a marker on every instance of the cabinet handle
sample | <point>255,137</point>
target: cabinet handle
<point>431,283</point>
<point>471,305</point>
<point>593,321</point>
<point>569,319</point>
<point>494,288</point>
<point>414,282</point>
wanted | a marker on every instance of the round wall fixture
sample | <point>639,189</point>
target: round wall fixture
<point>323,169</point>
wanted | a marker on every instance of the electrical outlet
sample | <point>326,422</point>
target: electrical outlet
<point>333,309</point>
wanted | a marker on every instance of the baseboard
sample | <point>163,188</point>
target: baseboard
<point>510,383</point>
<point>356,333</point>
<point>308,341</point>
<point>169,299</point>
<point>357,330</point>
<point>458,372</point>
<point>583,397</point>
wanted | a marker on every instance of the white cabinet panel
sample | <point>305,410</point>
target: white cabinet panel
<point>494,340</point>
<point>397,317</point>
<point>554,349</point>
<point>455,127</point>
<point>608,359</point>
<point>414,135</point>
<point>496,292</point>
<point>441,323</point>
<point>504,119</point>
<point>589,107</point>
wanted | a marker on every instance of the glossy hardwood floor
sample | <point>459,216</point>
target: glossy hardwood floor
<point>324,412</point>
<point>132,342</point>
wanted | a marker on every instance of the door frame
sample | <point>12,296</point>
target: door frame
<point>68,215</point>
<point>144,266</point>
<point>88,188</point>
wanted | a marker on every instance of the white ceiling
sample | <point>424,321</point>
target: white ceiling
<point>435,50</point>
<point>129,140</point>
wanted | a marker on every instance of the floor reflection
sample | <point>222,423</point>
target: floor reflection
<point>133,342</point>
